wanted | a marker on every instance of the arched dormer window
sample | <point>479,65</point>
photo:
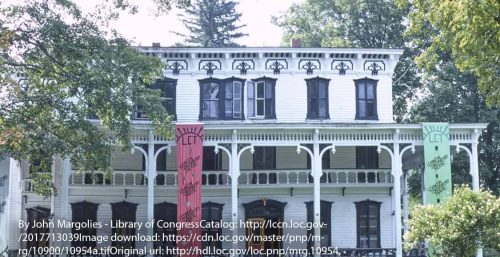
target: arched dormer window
<point>366,99</point>
<point>221,99</point>
<point>317,98</point>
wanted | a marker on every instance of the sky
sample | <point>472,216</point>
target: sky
<point>144,28</point>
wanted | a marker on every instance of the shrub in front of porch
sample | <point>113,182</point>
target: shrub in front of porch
<point>457,228</point>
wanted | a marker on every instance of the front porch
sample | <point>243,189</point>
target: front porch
<point>312,184</point>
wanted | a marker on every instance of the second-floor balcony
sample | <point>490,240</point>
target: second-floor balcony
<point>221,179</point>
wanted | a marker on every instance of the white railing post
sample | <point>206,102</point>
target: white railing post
<point>396,169</point>
<point>234,172</point>
<point>66,172</point>
<point>475,172</point>
<point>151,174</point>
<point>316,173</point>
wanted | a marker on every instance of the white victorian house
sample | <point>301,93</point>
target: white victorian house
<point>302,134</point>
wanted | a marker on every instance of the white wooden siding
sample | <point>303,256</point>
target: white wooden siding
<point>121,160</point>
<point>291,97</point>
<point>343,212</point>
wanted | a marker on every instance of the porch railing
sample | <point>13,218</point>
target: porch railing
<point>222,179</point>
<point>26,185</point>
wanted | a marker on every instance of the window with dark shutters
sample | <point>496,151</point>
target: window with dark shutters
<point>317,98</point>
<point>366,99</point>
<point>212,212</point>
<point>264,158</point>
<point>326,217</point>
<point>84,212</point>
<point>221,99</point>
<point>367,158</point>
<point>368,224</point>
<point>165,212</point>
<point>261,98</point>
<point>125,212</point>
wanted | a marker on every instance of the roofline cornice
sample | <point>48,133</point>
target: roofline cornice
<point>394,51</point>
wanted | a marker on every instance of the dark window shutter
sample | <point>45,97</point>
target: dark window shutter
<point>83,212</point>
<point>211,211</point>
<point>123,211</point>
<point>168,213</point>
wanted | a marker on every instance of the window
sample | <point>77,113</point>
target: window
<point>261,98</point>
<point>317,98</point>
<point>124,212</point>
<point>168,213</point>
<point>366,158</point>
<point>264,158</point>
<point>366,99</point>
<point>368,224</point>
<point>221,99</point>
<point>211,162</point>
<point>38,215</point>
<point>84,212</point>
<point>325,217</point>
<point>167,89</point>
<point>211,212</point>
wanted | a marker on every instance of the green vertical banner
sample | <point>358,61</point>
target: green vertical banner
<point>437,162</point>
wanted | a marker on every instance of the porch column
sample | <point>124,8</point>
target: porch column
<point>396,196</point>
<point>66,172</point>
<point>151,174</point>
<point>475,162</point>
<point>316,174</point>
<point>405,201</point>
<point>474,166</point>
<point>234,172</point>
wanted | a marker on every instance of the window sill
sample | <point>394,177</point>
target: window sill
<point>261,120</point>
<point>375,118</point>
<point>327,120</point>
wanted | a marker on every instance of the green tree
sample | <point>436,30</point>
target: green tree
<point>212,23</point>
<point>468,29</point>
<point>458,227</point>
<point>57,69</point>
<point>453,96</point>
<point>356,23</point>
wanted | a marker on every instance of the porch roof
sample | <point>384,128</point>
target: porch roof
<point>272,133</point>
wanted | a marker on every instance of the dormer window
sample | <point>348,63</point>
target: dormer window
<point>261,98</point>
<point>221,99</point>
<point>317,98</point>
<point>366,99</point>
<point>167,89</point>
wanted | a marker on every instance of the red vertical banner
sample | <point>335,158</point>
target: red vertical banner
<point>189,138</point>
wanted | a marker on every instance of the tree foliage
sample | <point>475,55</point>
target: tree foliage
<point>57,69</point>
<point>212,23</point>
<point>453,96</point>
<point>458,227</point>
<point>358,23</point>
<point>468,29</point>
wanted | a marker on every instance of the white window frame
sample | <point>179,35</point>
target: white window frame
<point>263,99</point>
